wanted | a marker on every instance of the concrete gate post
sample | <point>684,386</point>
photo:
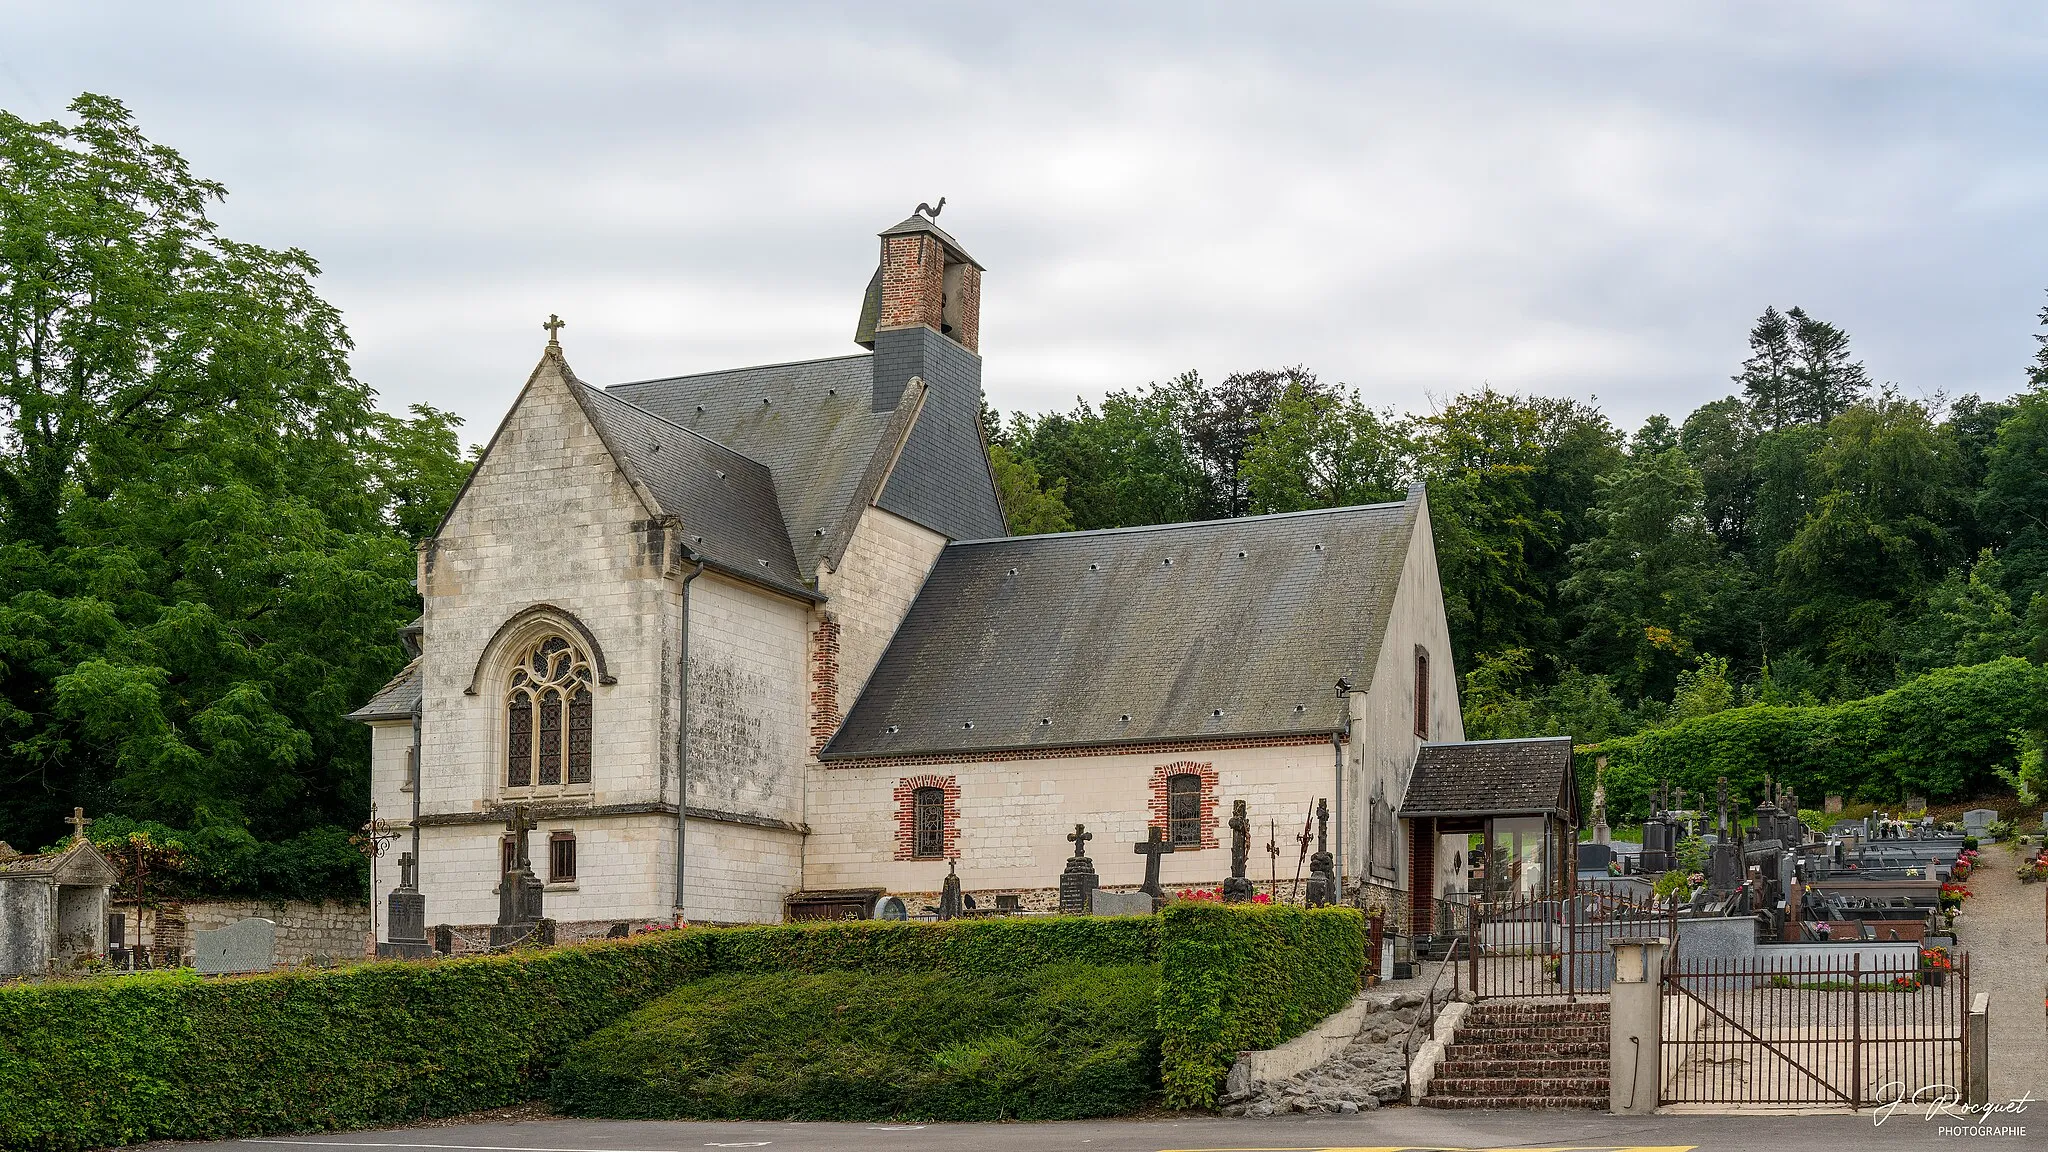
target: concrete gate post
<point>1635,1025</point>
<point>1979,1072</point>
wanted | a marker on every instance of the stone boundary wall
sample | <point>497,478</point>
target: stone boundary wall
<point>307,931</point>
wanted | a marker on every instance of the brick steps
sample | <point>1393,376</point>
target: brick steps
<point>1575,1051</point>
<point>1519,1102</point>
<point>1454,1067</point>
<point>1510,1055</point>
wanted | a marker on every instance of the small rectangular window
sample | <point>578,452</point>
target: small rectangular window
<point>1184,809</point>
<point>1421,693</point>
<point>561,858</point>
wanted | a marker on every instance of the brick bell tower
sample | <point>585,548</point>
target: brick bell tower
<point>922,318</point>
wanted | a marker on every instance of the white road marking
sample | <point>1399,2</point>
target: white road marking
<point>456,1147</point>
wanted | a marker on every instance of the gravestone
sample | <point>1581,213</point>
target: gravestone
<point>406,919</point>
<point>1238,889</point>
<point>1595,857</point>
<point>1078,882</point>
<point>1913,804</point>
<point>248,945</point>
<point>519,891</point>
<point>1978,821</point>
<point>1322,879</point>
<point>1124,903</point>
<point>1832,805</point>
<point>1152,848</point>
<point>891,908</point>
<point>951,904</point>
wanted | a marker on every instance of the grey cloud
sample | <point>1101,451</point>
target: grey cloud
<point>1415,198</point>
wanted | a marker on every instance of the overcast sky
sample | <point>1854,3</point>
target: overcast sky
<point>1582,200</point>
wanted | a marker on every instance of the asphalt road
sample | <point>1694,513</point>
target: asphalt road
<point>1390,1129</point>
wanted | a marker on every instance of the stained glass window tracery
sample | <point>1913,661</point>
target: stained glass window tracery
<point>548,722</point>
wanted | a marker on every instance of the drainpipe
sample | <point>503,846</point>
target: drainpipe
<point>1337,753</point>
<point>417,710</point>
<point>683,737</point>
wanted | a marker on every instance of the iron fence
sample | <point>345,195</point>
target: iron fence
<point>1532,946</point>
<point>1813,1030</point>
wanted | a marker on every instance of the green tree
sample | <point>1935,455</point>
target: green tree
<point>1879,535</point>
<point>1318,449</point>
<point>1652,584</point>
<point>1220,423</point>
<point>1125,464</point>
<point>204,522</point>
<point>1968,618</point>
<point>1029,504</point>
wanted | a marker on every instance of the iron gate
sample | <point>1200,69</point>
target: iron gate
<point>1814,1031</point>
<point>1553,947</point>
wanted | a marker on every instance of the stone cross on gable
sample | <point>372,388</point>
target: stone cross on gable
<point>1080,836</point>
<point>554,327</point>
<point>1152,848</point>
<point>78,823</point>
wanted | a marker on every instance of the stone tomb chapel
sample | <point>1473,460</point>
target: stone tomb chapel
<point>753,643</point>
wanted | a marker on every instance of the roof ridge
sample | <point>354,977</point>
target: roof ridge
<point>719,444</point>
<point>1494,740</point>
<point>744,368</point>
<point>1180,524</point>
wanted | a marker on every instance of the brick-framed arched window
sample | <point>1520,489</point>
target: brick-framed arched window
<point>1421,692</point>
<point>928,823</point>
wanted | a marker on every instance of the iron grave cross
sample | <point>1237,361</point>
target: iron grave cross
<point>1152,848</point>
<point>554,326</point>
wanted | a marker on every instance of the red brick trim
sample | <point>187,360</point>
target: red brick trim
<point>1162,812</point>
<point>1157,748</point>
<point>824,681</point>
<point>906,816</point>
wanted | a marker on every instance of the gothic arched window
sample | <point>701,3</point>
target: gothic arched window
<point>1184,809</point>
<point>547,717</point>
<point>928,822</point>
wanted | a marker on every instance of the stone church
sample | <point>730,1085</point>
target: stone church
<point>755,642</point>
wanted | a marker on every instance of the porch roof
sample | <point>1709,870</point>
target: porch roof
<point>1531,777</point>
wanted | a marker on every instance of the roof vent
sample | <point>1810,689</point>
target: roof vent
<point>819,532</point>
<point>721,473</point>
<point>831,391</point>
<point>700,408</point>
<point>891,729</point>
<point>1240,553</point>
<point>1045,721</point>
<point>1124,719</point>
<point>699,537</point>
<point>967,724</point>
<point>1301,707</point>
<point>655,447</point>
<point>764,401</point>
<point>1094,567</point>
<point>1013,571</point>
<point>1166,563</point>
<point>764,563</point>
<point>1215,711</point>
<point>1319,546</point>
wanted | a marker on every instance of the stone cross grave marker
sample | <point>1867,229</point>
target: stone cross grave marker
<point>1078,882</point>
<point>1152,848</point>
<point>951,901</point>
<point>1322,876</point>
<point>78,823</point>
<point>1238,889</point>
<point>1978,821</point>
<point>248,945</point>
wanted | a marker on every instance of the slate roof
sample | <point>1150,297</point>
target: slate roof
<point>1492,778</point>
<point>78,863</point>
<point>1217,629</point>
<point>811,423</point>
<point>725,502</point>
<point>396,699</point>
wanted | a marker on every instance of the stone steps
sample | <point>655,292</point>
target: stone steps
<point>1538,1087</point>
<point>1532,1034</point>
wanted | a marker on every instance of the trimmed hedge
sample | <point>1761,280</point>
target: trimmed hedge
<point>174,1056</point>
<point>1939,735</point>
<point>1058,1043</point>
<point>1246,976</point>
